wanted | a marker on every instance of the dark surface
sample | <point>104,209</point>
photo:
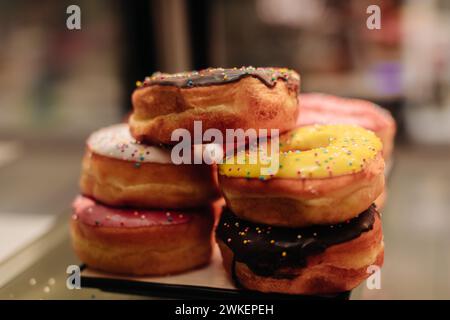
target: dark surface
<point>193,292</point>
<point>199,16</point>
<point>139,59</point>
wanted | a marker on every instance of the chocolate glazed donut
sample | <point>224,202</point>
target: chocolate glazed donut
<point>284,258</point>
<point>244,98</point>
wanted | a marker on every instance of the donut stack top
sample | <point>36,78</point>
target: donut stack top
<point>236,98</point>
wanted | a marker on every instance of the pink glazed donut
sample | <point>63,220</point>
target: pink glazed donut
<point>141,242</point>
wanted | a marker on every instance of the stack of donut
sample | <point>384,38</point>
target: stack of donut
<point>309,226</point>
<point>139,213</point>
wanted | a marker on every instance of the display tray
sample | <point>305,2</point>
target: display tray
<point>209,282</point>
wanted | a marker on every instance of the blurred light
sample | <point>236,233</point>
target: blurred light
<point>292,13</point>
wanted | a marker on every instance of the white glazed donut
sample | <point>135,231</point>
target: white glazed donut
<point>116,142</point>
<point>119,171</point>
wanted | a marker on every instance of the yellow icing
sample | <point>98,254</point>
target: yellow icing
<point>316,151</point>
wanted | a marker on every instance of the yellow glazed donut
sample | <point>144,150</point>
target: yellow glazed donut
<point>326,174</point>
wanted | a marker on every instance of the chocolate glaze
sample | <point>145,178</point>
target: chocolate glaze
<point>217,76</point>
<point>269,251</point>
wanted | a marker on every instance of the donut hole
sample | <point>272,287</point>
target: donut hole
<point>307,142</point>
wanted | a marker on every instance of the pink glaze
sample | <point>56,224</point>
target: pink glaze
<point>316,108</point>
<point>94,214</point>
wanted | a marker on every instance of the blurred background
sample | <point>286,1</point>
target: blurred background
<point>58,85</point>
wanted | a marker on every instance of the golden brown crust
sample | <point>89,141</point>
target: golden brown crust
<point>151,185</point>
<point>247,103</point>
<point>303,202</point>
<point>155,250</point>
<point>339,268</point>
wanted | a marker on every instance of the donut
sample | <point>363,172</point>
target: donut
<point>318,108</point>
<point>119,171</point>
<point>140,242</point>
<point>326,174</point>
<point>244,98</point>
<point>310,260</point>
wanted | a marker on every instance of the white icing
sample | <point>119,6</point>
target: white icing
<point>116,142</point>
